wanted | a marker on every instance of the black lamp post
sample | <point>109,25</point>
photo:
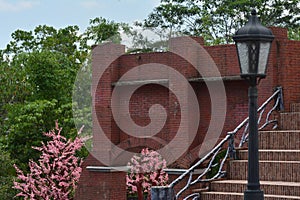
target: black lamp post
<point>253,43</point>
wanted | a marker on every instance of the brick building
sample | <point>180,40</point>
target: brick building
<point>98,180</point>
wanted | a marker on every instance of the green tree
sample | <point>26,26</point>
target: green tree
<point>38,71</point>
<point>7,175</point>
<point>23,121</point>
<point>67,41</point>
<point>101,29</point>
<point>218,20</point>
<point>51,75</point>
<point>45,79</point>
<point>13,83</point>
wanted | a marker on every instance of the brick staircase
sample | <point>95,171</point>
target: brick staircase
<point>279,153</point>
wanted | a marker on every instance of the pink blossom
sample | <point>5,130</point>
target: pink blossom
<point>56,173</point>
<point>145,171</point>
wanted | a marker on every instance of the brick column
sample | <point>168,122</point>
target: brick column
<point>105,182</point>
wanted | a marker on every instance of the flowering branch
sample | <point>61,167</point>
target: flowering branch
<point>146,170</point>
<point>57,171</point>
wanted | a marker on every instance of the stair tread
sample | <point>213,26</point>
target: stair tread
<point>261,182</point>
<point>287,197</point>
<point>231,193</point>
<point>292,112</point>
<point>241,194</point>
<point>281,131</point>
<point>274,150</point>
<point>270,161</point>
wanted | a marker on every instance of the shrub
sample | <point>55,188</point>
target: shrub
<point>56,173</point>
<point>146,170</point>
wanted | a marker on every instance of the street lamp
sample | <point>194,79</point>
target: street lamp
<point>253,43</point>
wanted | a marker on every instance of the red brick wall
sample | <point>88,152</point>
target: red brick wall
<point>95,185</point>
<point>283,70</point>
<point>288,67</point>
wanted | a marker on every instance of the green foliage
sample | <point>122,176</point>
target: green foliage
<point>51,75</point>
<point>216,164</point>
<point>38,69</point>
<point>82,102</point>
<point>101,30</point>
<point>24,122</point>
<point>7,175</point>
<point>218,20</point>
<point>13,81</point>
<point>43,37</point>
<point>294,34</point>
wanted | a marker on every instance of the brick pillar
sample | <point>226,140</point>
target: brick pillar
<point>103,68</point>
<point>100,182</point>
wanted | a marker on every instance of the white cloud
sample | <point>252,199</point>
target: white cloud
<point>17,6</point>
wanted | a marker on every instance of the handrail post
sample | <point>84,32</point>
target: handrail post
<point>280,96</point>
<point>231,147</point>
<point>162,193</point>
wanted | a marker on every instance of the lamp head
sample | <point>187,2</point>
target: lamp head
<point>253,43</point>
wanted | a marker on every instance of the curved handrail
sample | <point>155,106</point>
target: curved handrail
<point>230,149</point>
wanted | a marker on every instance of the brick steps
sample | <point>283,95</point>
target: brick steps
<point>269,187</point>
<point>239,196</point>
<point>295,107</point>
<point>290,120</point>
<point>269,170</point>
<point>284,139</point>
<point>220,196</point>
<point>279,153</point>
<point>273,154</point>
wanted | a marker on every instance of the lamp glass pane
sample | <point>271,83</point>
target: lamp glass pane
<point>263,57</point>
<point>243,57</point>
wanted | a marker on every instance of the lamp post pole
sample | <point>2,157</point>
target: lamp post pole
<point>253,191</point>
<point>253,42</point>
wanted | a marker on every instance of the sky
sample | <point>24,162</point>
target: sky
<point>27,14</point>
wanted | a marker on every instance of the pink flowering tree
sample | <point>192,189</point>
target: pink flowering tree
<point>146,170</point>
<point>55,175</point>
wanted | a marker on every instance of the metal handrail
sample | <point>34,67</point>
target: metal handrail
<point>230,149</point>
